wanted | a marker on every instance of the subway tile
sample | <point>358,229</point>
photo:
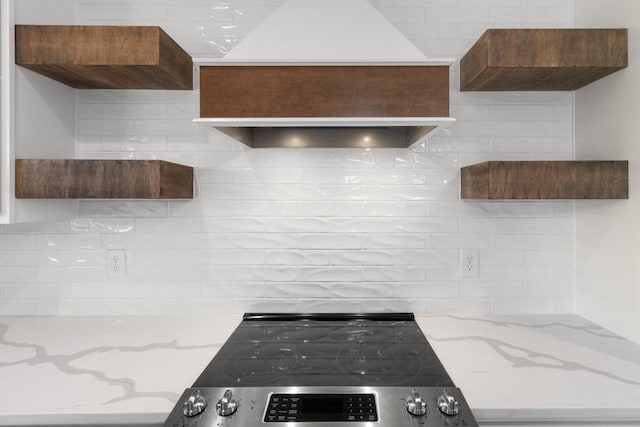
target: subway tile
<point>68,241</point>
<point>426,257</point>
<point>361,290</point>
<point>134,241</point>
<point>226,290</point>
<point>297,225</point>
<point>137,209</point>
<point>166,225</point>
<point>263,176</point>
<point>393,176</point>
<point>498,128</point>
<point>522,144</point>
<point>426,192</point>
<point>491,225</point>
<point>365,159</point>
<point>97,290</point>
<point>325,175</point>
<point>394,209</point>
<point>69,274</point>
<point>426,225</point>
<point>394,274</point>
<point>458,209</point>
<point>551,289</point>
<point>458,240</point>
<point>491,289</point>
<point>524,241</point>
<point>34,258</point>
<point>330,274</point>
<point>330,241</point>
<point>427,290</point>
<point>270,273</point>
<point>298,192</point>
<point>362,225</point>
<point>330,208</point>
<point>307,229</point>
<point>361,192</point>
<point>18,241</point>
<point>61,226</point>
<point>166,290</point>
<point>69,307</point>
<point>394,305</point>
<point>449,273</point>
<point>468,306</point>
<point>362,257</point>
<point>523,209</point>
<point>410,159</point>
<point>230,225</point>
<point>297,257</point>
<point>135,306</point>
<point>538,305</point>
<point>101,225</point>
<point>24,291</point>
<point>501,257</point>
<point>391,241</point>
<point>297,290</point>
<point>287,158</point>
<point>191,306</point>
<point>521,272</point>
<point>88,257</point>
<point>548,225</point>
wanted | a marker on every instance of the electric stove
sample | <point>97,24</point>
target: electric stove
<point>333,370</point>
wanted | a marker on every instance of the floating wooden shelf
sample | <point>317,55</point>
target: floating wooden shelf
<point>325,105</point>
<point>542,59</point>
<point>102,179</point>
<point>104,57</point>
<point>546,180</point>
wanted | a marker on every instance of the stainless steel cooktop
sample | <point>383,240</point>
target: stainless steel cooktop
<point>321,369</point>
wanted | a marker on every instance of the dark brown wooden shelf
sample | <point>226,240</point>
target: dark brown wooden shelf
<point>104,57</point>
<point>546,180</point>
<point>102,179</point>
<point>542,59</point>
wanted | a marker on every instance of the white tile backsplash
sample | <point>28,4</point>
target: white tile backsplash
<point>306,230</point>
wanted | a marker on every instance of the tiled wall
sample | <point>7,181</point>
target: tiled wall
<point>315,229</point>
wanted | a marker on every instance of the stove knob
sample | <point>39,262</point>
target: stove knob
<point>415,405</point>
<point>226,405</point>
<point>194,405</point>
<point>447,404</point>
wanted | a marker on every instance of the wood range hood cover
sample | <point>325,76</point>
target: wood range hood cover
<point>325,73</point>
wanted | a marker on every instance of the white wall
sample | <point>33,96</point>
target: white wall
<point>608,232</point>
<point>314,229</point>
<point>40,114</point>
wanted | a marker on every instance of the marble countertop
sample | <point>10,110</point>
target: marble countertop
<point>539,368</point>
<point>131,370</point>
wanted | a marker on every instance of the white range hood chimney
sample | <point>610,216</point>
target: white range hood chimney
<point>378,85</point>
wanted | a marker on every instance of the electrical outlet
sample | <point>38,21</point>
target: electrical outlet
<point>469,263</point>
<point>116,263</point>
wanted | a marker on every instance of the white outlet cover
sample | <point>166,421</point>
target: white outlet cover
<point>469,260</point>
<point>116,265</point>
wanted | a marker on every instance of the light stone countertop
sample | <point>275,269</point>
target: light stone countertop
<point>131,370</point>
<point>548,368</point>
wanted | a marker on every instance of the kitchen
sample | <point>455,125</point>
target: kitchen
<point>335,230</point>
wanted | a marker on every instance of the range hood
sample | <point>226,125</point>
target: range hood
<point>325,73</point>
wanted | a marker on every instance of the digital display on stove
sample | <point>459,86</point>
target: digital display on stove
<point>313,406</point>
<point>321,407</point>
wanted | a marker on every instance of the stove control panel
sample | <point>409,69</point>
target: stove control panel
<point>332,407</point>
<point>321,406</point>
